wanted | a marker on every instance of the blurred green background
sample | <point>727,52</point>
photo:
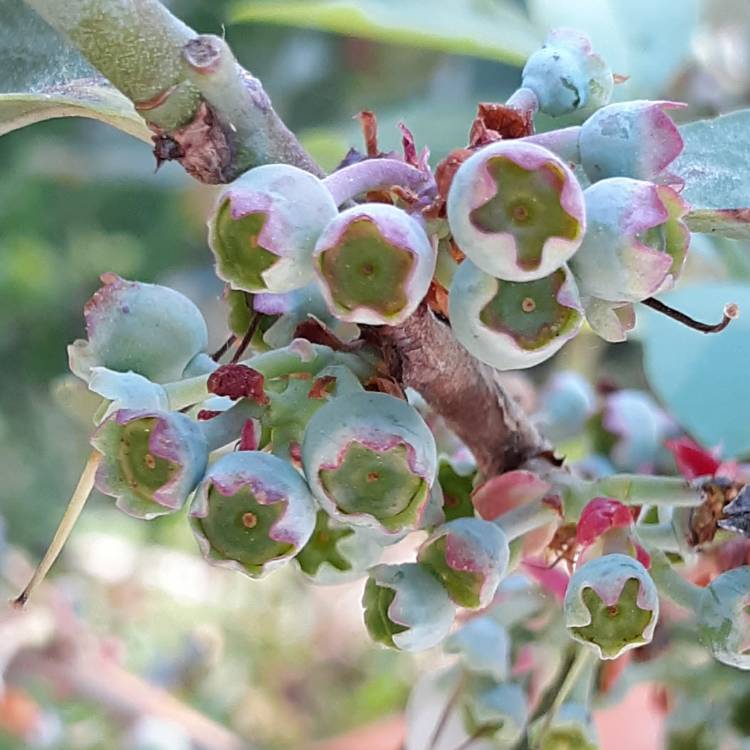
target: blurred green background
<point>78,198</point>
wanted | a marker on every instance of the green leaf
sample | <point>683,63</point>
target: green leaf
<point>495,30</point>
<point>715,165</point>
<point>43,76</point>
<point>83,98</point>
<point>702,378</point>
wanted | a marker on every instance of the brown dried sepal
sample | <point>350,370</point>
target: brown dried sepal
<point>237,381</point>
<point>704,519</point>
<point>387,385</point>
<point>322,387</point>
<point>318,333</point>
<point>437,299</point>
<point>201,147</point>
<point>496,122</point>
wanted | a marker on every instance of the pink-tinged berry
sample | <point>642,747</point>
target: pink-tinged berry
<point>600,515</point>
<point>370,460</point>
<point>630,139</point>
<point>252,512</point>
<point>405,607</point>
<point>724,617</point>
<point>566,75</point>
<point>606,524</point>
<point>516,210</point>
<point>152,460</point>
<point>374,263</point>
<point>611,605</point>
<point>512,325</point>
<point>636,242</point>
<point>264,228</point>
<point>469,556</point>
<point>147,328</point>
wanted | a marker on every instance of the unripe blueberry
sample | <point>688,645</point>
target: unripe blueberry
<point>293,400</point>
<point>611,605</point>
<point>406,608</point>
<point>374,263</point>
<point>566,403</point>
<point>469,556</point>
<point>252,513</point>
<point>370,460</point>
<point>724,617</point>
<point>637,428</point>
<point>636,242</point>
<point>629,139</point>
<point>571,728</point>
<point>511,325</point>
<point>516,210</point>
<point>265,225</point>
<point>147,328</point>
<point>152,460</point>
<point>496,711</point>
<point>337,552</point>
<point>484,646</point>
<point>566,75</point>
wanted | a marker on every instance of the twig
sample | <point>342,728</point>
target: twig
<point>246,339</point>
<point>196,97</point>
<point>101,680</point>
<point>75,506</point>
<point>731,311</point>
<point>224,348</point>
<point>445,714</point>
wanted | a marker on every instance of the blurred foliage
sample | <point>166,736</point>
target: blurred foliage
<point>78,199</point>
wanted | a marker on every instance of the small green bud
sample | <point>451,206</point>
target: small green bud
<point>265,225</point>
<point>406,608</point>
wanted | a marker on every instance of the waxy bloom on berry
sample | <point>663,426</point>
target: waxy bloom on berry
<point>484,646</point>
<point>252,513</point>
<point>469,556</point>
<point>565,404</point>
<point>374,263</point>
<point>370,460</point>
<point>611,605</point>
<point>566,75</point>
<point>636,428</point>
<point>511,325</point>
<point>152,460</point>
<point>265,225</point>
<point>516,210</point>
<point>406,608</point>
<point>498,711</point>
<point>629,139</point>
<point>636,241</point>
<point>147,328</point>
<point>724,617</point>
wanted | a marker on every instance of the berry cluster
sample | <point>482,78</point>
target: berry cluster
<point>304,453</point>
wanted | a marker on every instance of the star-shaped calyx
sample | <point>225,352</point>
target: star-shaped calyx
<point>526,205</point>
<point>614,626</point>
